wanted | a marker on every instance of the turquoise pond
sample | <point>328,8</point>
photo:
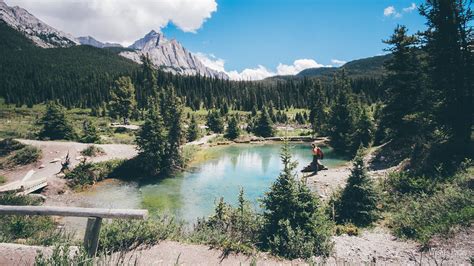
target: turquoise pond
<point>192,194</point>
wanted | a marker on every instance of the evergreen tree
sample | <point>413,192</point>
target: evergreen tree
<point>264,125</point>
<point>193,130</point>
<point>55,124</point>
<point>90,134</point>
<point>449,45</point>
<point>122,97</point>
<point>293,225</point>
<point>215,121</point>
<point>318,116</point>
<point>176,138</point>
<point>341,124</point>
<point>404,87</point>
<point>358,200</point>
<point>233,130</point>
<point>364,130</point>
<point>151,141</point>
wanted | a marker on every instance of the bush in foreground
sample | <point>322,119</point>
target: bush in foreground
<point>231,228</point>
<point>421,216</point>
<point>124,235</point>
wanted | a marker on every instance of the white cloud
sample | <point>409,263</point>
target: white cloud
<point>211,61</point>
<point>338,62</point>
<point>260,72</point>
<point>297,66</point>
<point>389,11</point>
<point>410,8</point>
<point>121,21</point>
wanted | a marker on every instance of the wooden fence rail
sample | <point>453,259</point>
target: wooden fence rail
<point>94,215</point>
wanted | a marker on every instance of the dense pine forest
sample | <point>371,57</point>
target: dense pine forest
<point>82,77</point>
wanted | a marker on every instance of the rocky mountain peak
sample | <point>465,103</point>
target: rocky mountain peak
<point>39,32</point>
<point>169,55</point>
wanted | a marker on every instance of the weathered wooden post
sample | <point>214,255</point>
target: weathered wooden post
<point>94,215</point>
<point>91,237</point>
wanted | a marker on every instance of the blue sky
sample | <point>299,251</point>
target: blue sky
<point>248,39</point>
<point>248,33</point>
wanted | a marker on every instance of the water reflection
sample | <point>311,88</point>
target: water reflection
<point>192,194</point>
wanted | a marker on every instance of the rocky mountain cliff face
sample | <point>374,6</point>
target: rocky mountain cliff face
<point>39,32</point>
<point>88,40</point>
<point>169,55</point>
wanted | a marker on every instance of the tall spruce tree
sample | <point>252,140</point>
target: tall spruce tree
<point>193,130</point>
<point>215,121</point>
<point>293,225</point>
<point>449,45</point>
<point>55,124</point>
<point>358,200</point>
<point>341,122</point>
<point>264,125</point>
<point>233,130</point>
<point>176,137</point>
<point>151,142</point>
<point>403,87</point>
<point>122,98</point>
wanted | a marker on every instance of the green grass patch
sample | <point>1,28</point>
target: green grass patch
<point>33,230</point>
<point>3,179</point>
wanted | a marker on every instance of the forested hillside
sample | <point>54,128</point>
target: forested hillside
<point>81,76</point>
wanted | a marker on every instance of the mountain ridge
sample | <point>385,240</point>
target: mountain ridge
<point>36,30</point>
<point>169,55</point>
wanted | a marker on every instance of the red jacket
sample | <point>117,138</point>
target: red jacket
<point>318,152</point>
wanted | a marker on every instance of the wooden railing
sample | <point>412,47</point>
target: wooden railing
<point>94,215</point>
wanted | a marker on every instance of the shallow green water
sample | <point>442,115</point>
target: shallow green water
<point>193,194</point>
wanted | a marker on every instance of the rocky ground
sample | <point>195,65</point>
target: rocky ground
<point>374,245</point>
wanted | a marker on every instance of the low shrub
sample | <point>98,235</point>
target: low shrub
<point>230,228</point>
<point>9,145</point>
<point>122,235</point>
<point>406,183</point>
<point>3,179</point>
<point>348,229</point>
<point>92,151</point>
<point>63,255</point>
<point>26,155</point>
<point>35,230</point>
<point>23,156</point>
<point>86,174</point>
<point>422,216</point>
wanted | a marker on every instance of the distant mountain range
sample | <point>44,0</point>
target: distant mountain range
<point>165,54</point>
<point>371,67</point>
<point>168,55</point>
<point>88,40</point>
